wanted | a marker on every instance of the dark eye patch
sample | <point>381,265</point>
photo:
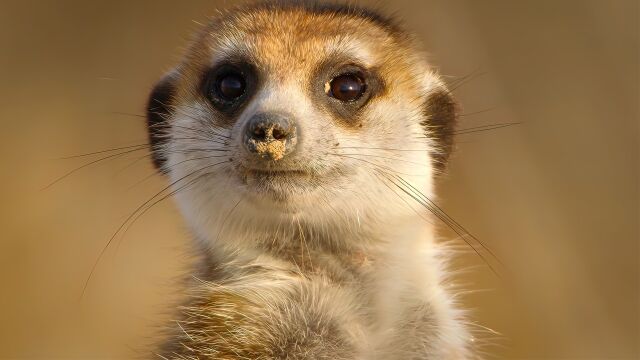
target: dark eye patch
<point>229,86</point>
<point>344,88</point>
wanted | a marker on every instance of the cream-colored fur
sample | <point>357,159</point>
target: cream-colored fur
<point>338,263</point>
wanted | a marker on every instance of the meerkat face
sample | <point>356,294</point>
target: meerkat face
<point>313,112</point>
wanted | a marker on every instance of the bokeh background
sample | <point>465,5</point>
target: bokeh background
<point>556,197</point>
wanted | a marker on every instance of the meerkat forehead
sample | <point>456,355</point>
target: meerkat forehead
<point>294,39</point>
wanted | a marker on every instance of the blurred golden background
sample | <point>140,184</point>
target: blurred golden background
<point>556,197</point>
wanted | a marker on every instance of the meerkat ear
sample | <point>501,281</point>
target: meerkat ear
<point>441,113</point>
<point>158,113</point>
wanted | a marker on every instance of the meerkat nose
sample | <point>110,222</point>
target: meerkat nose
<point>270,135</point>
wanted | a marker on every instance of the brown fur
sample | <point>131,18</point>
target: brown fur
<point>305,292</point>
<point>227,320</point>
<point>267,31</point>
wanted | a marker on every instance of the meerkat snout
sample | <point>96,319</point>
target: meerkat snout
<point>270,135</point>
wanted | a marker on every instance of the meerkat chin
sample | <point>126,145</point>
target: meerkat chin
<point>297,138</point>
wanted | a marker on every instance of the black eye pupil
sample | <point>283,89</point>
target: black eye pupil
<point>347,87</point>
<point>231,86</point>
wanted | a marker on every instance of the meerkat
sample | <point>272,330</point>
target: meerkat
<point>301,142</point>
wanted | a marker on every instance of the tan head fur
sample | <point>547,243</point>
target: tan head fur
<point>289,54</point>
<point>305,137</point>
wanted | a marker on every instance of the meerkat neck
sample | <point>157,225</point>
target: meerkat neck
<point>313,250</point>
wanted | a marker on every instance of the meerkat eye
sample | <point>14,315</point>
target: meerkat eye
<point>231,86</point>
<point>228,86</point>
<point>347,87</point>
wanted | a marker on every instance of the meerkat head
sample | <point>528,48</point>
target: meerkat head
<point>292,111</point>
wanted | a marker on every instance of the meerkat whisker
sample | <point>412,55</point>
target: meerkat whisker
<point>112,156</point>
<point>133,215</point>
<point>144,146</point>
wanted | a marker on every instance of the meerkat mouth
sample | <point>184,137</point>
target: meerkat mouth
<point>280,173</point>
<point>281,185</point>
<point>278,180</point>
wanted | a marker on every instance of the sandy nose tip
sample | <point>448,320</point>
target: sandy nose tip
<point>270,136</point>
